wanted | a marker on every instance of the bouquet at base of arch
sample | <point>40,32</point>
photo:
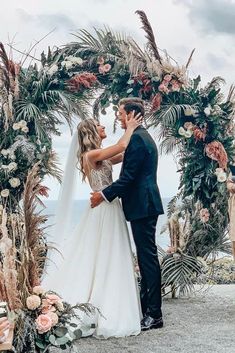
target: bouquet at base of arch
<point>48,321</point>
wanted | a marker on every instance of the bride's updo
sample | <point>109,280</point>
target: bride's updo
<point>88,139</point>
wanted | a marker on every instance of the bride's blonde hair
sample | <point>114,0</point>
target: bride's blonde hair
<point>88,139</point>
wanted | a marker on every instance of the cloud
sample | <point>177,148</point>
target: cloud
<point>212,17</point>
<point>216,62</point>
<point>47,21</point>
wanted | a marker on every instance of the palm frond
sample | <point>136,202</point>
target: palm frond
<point>168,115</point>
<point>149,34</point>
<point>180,271</point>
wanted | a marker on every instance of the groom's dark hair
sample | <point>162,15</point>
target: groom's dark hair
<point>137,107</point>
<point>124,101</point>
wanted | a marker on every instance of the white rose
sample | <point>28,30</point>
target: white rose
<point>52,70</point>
<point>12,156</point>
<point>68,64</point>
<point>222,177</point>
<point>12,166</point>
<point>190,112</point>
<point>181,131</point>
<point>14,182</point>
<point>4,152</point>
<point>4,167</point>
<point>22,123</point>
<point>5,193</point>
<point>219,171</point>
<point>25,129</point>
<point>188,134</point>
<point>207,111</point>
<point>75,60</point>
<point>16,126</point>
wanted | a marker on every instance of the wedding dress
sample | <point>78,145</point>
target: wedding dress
<point>98,268</point>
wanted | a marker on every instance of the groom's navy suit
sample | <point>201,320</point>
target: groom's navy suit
<point>141,201</point>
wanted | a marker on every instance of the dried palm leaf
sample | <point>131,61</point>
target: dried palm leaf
<point>149,34</point>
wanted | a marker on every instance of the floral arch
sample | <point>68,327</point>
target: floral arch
<point>194,122</point>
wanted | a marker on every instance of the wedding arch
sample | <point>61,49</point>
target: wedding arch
<point>193,122</point>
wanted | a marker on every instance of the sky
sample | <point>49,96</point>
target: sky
<point>179,26</point>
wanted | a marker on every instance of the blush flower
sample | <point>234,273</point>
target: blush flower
<point>47,307</point>
<point>54,318</point>
<point>38,290</point>
<point>52,299</point>
<point>167,78</point>
<point>43,323</point>
<point>215,150</point>
<point>33,302</point>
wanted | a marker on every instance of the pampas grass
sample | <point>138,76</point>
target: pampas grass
<point>8,273</point>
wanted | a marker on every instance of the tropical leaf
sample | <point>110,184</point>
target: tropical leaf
<point>180,271</point>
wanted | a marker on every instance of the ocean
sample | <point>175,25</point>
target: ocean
<point>161,239</point>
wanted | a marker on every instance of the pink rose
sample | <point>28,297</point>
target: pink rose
<point>47,307</point>
<point>52,299</point>
<point>107,67</point>
<point>167,78</point>
<point>54,318</point>
<point>104,68</point>
<point>33,302</point>
<point>101,69</point>
<point>163,88</point>
<point>43,323</point>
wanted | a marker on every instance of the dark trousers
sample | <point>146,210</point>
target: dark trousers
<point>144,237</point>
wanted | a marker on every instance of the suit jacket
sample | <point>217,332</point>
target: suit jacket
<point>137,184</point>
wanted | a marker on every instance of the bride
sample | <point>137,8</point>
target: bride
<point>97,265</point>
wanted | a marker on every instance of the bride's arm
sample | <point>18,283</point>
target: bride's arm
<point>114,150</point>
<point>117,159</point>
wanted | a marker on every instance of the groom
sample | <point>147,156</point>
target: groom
<point>141,201</point>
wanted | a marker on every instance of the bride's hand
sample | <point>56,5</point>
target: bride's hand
<point>134,121</point>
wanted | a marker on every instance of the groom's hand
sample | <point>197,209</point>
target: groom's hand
<point>96,199</point>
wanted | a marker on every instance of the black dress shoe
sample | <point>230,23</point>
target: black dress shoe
<point>149,323</point>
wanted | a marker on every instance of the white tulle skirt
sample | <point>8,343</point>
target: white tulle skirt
<point>97,268</point>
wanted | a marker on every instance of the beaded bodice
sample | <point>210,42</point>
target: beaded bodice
<point>101,177</point>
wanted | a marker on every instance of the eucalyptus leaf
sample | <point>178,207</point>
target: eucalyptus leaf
<point>52,339</point>
<point>60,331</point>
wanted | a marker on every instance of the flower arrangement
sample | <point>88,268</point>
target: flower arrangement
<point>47,321</point>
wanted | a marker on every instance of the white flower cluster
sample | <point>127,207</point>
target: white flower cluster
<point>221,175</point>
<point>185,133</point>
<point>11,167</point>
<point>8,153</point>
<point>14,182</point>
<point>189,111</point>
<point>5,193</point>
<point>209,110</point>
<point>71,61</point>
<point>22,124</point>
